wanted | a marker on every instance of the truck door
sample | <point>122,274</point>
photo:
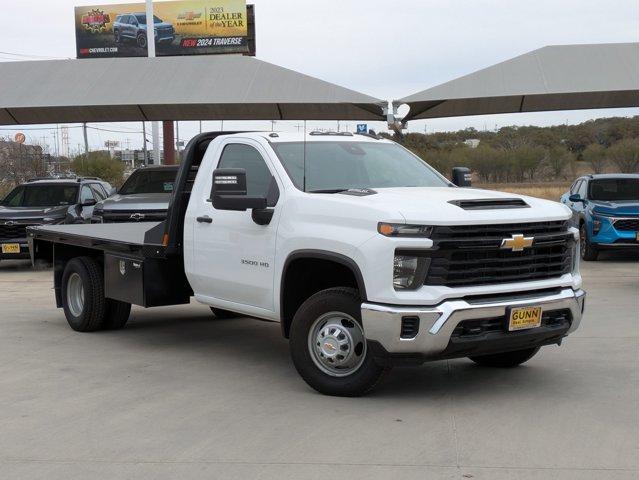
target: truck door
<point>233,257</point>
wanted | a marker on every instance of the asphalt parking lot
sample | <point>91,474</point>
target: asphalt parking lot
<point>179,394</point>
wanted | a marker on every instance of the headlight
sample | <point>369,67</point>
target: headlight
<point>403,230</point>
<point>409,271</point>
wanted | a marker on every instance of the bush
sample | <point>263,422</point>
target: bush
<point>625,155</point>
<point>595,155</point>
<point>99,164</point>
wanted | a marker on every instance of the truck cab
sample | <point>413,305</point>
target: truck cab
<point>366,255</point>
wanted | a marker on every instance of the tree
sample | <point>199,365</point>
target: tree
<point>99,164</point>
<point>557,159</point>
<point>625,155</point>
<point>595,155</point>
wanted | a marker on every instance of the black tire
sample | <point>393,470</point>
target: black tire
<point>141,40</point>
<point>589,252</point>
<point>90,317</point>
<point>117,314</point>
<point>221,314</point>
<point>343,300</point>
<point>506,359</point>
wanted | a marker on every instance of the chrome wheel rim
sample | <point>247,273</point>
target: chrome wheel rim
<point>582,240</point>
<point>337,344</point>
<point>75,295</point>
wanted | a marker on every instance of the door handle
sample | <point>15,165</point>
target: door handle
<point>205,219</point>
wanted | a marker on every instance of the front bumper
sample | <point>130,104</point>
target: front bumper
<point>434,339</point>
<point>609,236</point>
<point>24,250</point>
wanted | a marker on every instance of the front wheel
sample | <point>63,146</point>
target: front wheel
<point>141,39</point>
<point>507,359</point>
<point>589,252</point>
<point>328,346</point>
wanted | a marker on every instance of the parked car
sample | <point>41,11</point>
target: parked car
<point>44,201</point>
<point>144,197</point>
<point>365,254</point>
<point>606,210</point>
<point>132,26</point>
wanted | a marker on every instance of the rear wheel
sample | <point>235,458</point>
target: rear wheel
<point>328,345</point>
<point>588,251</point>
<point>117,314</point>
<point>83,294</point>
<point>507,359</point>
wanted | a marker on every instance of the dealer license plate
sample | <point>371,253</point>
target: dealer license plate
<point>523,318</point>
<point>10,248</point>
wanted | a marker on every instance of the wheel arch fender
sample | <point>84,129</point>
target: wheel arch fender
<point>322,255</point>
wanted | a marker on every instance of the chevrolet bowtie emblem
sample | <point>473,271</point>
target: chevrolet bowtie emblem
<point>517,243</point>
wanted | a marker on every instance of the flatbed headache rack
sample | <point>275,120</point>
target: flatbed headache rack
<point>143,263</point>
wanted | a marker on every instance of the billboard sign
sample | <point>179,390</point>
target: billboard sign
<point>183,27</point>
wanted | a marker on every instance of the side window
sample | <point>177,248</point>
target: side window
<point>98,192</point>
<point>582,189</point>
<point>86,194</point>
<point>575,187</point>
<point>258,176</point>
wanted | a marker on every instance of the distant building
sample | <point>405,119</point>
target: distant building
<point>472,142</point>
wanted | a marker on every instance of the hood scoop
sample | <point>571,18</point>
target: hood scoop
<point>490,203</point>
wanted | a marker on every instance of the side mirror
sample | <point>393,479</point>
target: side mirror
<point>89,202</point>
<point>462,177</point>
<point>575,197</point>
<point>228,191</point>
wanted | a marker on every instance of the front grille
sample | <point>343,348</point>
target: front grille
<point>120,216</point>
<point>627,225</point>
<point>472,255</point>
<point>473,328</point>
<point>14,232</point>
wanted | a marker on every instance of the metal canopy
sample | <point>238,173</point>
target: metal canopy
<point>564,77</point>
<point>223,87</point>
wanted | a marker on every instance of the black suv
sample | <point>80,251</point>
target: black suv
<point>45,201</point>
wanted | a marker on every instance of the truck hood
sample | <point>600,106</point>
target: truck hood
<point>32,213</point>
<point>138,201</point>
<point>433,205</point>
<point>630,208</point>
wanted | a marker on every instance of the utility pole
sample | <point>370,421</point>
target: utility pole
<point>177,138</point>
<point>86,140</point>
<point>146,155</point>
<point>150,45</point>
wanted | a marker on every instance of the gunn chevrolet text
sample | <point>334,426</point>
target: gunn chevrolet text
<point>366,255</point>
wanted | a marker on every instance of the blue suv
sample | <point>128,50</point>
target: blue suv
<point>606,209</point>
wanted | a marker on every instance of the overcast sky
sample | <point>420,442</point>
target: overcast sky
<point>384,48</point>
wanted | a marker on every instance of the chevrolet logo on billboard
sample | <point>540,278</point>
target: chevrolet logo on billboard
<point>517,243</point>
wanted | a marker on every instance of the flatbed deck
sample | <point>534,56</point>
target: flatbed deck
<point>141,237</point>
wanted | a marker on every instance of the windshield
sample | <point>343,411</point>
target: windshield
<point>614,189</point>
<point>42,196</point>
<point>150,181</point>
<point>142,19</point>
<point>334,166</point>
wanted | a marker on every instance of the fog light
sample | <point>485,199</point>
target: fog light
<point>409,271</point>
